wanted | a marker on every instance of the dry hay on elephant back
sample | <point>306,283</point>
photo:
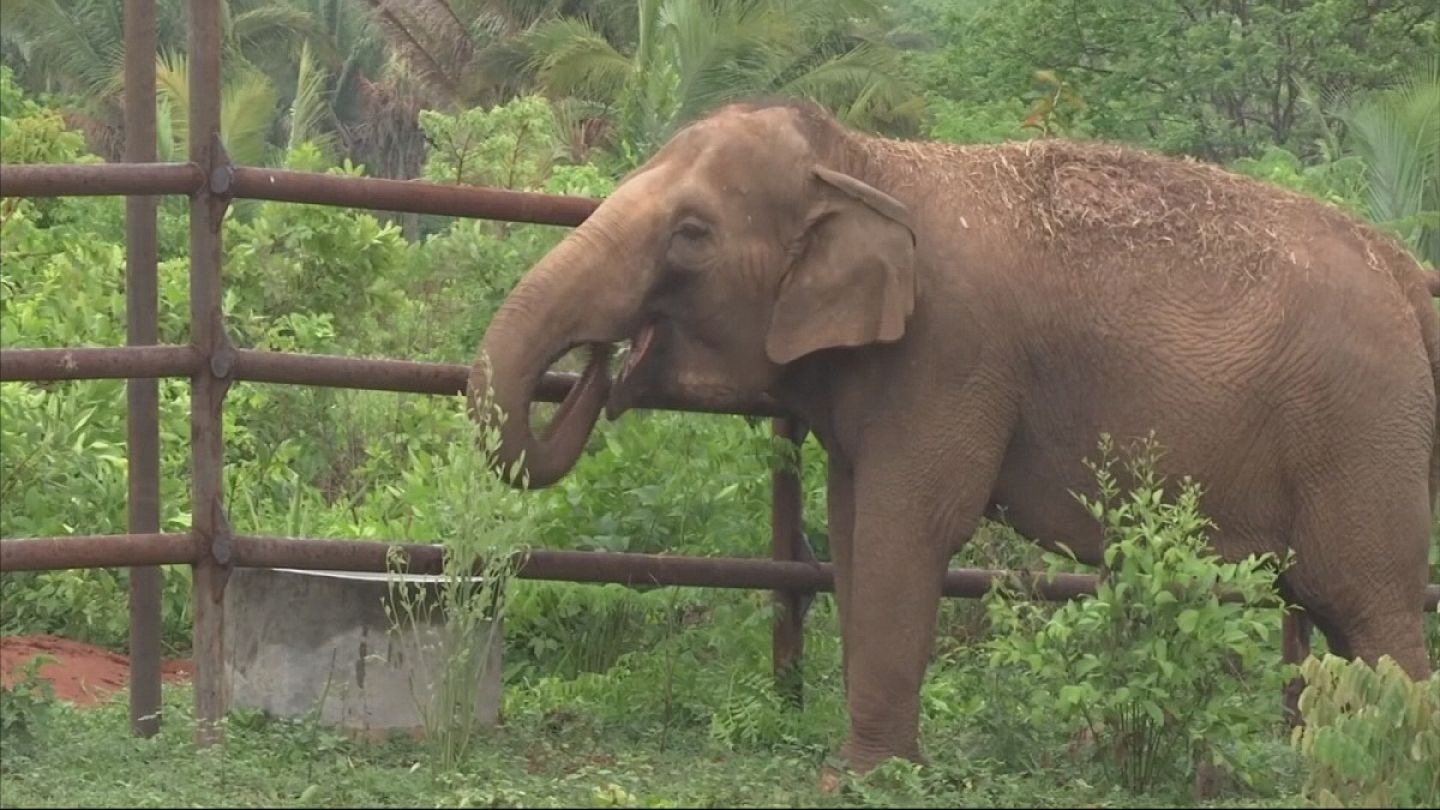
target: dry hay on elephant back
<point>1089,199</point>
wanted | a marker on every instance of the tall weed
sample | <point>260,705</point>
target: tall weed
<point>456,623</point>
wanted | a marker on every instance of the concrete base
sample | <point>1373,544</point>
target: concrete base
<point>298,641</point>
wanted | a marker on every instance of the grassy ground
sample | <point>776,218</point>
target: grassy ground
<point>86,758</point>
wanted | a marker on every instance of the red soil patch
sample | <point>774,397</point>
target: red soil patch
<point>80,673</point>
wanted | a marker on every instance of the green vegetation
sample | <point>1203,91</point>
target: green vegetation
<point>1155,667</point>
<point>455,622</point>
<point>25,708</point>
<point>1372,736</point>
<point>554,760</point>
<point>660,697</point>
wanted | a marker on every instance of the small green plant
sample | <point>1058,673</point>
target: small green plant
<point>1371,736</point>
<point>456,619</point>
<point>25,705</point>
<point>1153,666</point>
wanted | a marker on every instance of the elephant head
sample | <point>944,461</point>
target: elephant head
<point>741,246</point>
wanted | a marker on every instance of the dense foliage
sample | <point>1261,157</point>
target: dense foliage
<point>1372,736</point>
<point>1333,98</point>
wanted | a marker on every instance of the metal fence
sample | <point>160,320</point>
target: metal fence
<point>212,363</point>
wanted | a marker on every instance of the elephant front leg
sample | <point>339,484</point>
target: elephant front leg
<point>896,570</point>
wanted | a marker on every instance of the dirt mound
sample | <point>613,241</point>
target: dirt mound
<point>80,673</point>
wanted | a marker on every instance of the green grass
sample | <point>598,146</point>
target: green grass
<point>87,758</point>
<point>608,738</point>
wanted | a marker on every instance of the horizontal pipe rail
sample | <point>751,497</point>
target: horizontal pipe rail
<point>250,182</point>
<point>595,567</point>
<point>95,179</point>
<point>96,551</point>
<point>250,551</point>
<point>640,569</point>
<point>124,362</point>
<point>349,372</point>
<point>135,362</point>
<point>409,196</point>
<point>433,378</point>
<point>568,566</point>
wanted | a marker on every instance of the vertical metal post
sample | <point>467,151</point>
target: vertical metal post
<point>207,388</point>
<point>1295,631</point>
<point>143,414</point>
<point>787,543</point>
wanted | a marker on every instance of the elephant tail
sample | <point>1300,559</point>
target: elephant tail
<point>1422,289</point>
<point>1429,316</point>
<point>1435,444</point>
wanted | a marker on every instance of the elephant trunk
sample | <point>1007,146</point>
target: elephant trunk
<point>565,301</point>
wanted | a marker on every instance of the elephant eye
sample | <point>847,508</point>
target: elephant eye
<point>692,229</point>
<point>690,246</point>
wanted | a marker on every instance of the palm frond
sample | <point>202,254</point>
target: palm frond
<point>165,150</point>
<point>864,86</point>
<point>311,108</point>
<point>1397,133</point>
<point>77,47</point>
<point>172,91</point>
<point>408,44</point>
<point>247,111</point>
<point>570,58</point>
<point>269,24</point>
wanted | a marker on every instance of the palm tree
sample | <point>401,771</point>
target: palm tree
<point>75,48</point>
<point>247,111</point>
<point>463,52</point>
<point>691,55</point>
<point>1397,133</point>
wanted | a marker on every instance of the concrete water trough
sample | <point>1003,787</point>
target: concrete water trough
<point>300,642</point>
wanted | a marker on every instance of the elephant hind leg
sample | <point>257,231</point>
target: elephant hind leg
<point>1370,628</point>
<point>1360,571</point>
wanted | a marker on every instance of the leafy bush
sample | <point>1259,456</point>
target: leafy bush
<point>1149,666</point>
<point>510,145</point>
<point>24,707</point>
<point>1340,182</point>
<point>1371,735</point>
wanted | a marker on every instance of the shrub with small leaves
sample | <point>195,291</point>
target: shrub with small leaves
<point>24,706</point>
<point>1152,666</point>
<point>1371,736</point>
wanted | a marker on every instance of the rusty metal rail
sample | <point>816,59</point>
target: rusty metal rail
<point>406,195</point>
<point>435,378</point>
<point>96,551</point>
<point>132,362</point>
<point>99,179</point>
<point>253,551</point>
<point>249,365</point>
<point>212,364</point>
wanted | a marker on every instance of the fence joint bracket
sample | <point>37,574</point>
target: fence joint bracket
<point>222,548</point>
<point>222,358</point>
<point>222,181</point>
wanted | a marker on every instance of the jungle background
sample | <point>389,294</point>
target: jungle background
<point>618,696</point>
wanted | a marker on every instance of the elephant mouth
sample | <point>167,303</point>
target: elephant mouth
<point>625,390</point>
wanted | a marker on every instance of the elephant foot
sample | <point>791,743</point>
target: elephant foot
<point>857,761</point>
<point>831,780</point>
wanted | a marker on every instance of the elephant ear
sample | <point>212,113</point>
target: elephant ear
<point>853,279</point>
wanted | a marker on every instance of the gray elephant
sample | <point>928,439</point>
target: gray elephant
<point>959,325</point>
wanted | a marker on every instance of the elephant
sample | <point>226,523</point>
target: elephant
<point>959,324</point>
